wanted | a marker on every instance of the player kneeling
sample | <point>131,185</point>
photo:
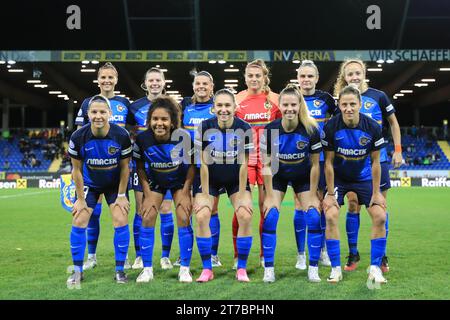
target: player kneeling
<point>167,151</point>
<point>100,154</point>
<point>349,138</point>
<point>224,143</point>
<point>291,148</point>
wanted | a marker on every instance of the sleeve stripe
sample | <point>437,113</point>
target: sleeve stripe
<point>249,146</point>
<point>379,142</point>
<point>324,143</point>
<point>126,151</point>
<point>316,146</point>
<point>389,108</point>
<point>136,155</point>
<point>71,151</point>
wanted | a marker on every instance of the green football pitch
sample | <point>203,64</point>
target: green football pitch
<point>35,255</point>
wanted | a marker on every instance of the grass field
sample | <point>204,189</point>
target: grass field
<point>35,254</point>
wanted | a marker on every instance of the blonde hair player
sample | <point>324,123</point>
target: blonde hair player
<point>258,106</point>
<point>291,148</point>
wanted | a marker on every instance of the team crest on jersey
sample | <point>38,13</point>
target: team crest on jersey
<point>363,141</point>
<point>112,150</point>
<point>267,105</point>
<point>317,103</point>
<point>175,153</point>
<point>211,112</point>
<point>368,104</point>
<point>120,108</point>
<point>234,142</point>
<point>301,145</point>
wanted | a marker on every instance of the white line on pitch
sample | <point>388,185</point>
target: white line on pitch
<point>22,195</point>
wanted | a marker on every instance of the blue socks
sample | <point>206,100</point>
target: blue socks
<point>77,247</point>
<point>269,236</point>
<point>386,225</point>
<point>93,229</point>
<point>147,241</point>
<point>300,229</point>
<point>334,252</point>
<point>121,243</point>
<point>204,248</point>
<point>377,250</point>
<point>214,225</point>
<point>314,236</point>
<point>137,223</point>
<point>167,229</point>
<point>323,226</point>
<point>244,245</point>
<point>186,241</point>
<point>352,228</point>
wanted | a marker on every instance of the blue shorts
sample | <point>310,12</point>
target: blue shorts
<point>299,185</point>
<point>216,189</point>
<point>135,184</point>
<point>92,195</point>
<point>167,192</point>
<point>363,190</point>
<point>385,181</point>
<point>196,183</point>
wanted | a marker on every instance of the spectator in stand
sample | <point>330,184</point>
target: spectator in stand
<point>417,161</point>
<point>426,161</point>
<point>6,152</point>
<point>6,165</point>
<point>438,157</point>
<point>25,162</point>
<point>414,132</point>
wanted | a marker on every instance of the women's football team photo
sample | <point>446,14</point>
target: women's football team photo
<point>329,148</point>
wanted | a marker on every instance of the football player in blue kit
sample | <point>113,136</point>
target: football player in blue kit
<point>154,83</point>
<point>352,142</point>
<point>321,106</point>
<point>197,108</point>
<point>291,148</point>
<point>100,153</point>
<point>224,143</point>
<point>107,78</point>
<point>378,106</point>
<point>167,151</point>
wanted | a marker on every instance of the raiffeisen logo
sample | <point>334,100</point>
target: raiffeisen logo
<point>437,182</point>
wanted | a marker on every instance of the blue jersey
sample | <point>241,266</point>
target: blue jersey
<point>119,110</point>
<point>376,104</point>
<point>352,147</point>
<point>223,147</point>
<point>195,113</point>
<point>168,161</point>
<point>100,156</point>
<point>138,113</point>
<point>319,105</point>
<point>291,149</point>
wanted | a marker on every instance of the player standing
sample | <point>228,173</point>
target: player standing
<point>154,83</point>
<point>352,143</point>
<point>224,143</point>
<point>197,108</point>
<point>320,105</point>
<point>100,154</point>
<point>376,105</point>
<point>258,107</point>
<point>291,148</point>
<point>167,169</point>
<point>107,78</point>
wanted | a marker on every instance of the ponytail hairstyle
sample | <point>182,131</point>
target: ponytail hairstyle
<point>350,90</point>
<point>204,74</point>
<point>172,107</point>
<point>306,120</point>
<point>156,70</point>
<point>340,81</point>
<point>99,98</point>
<point>309,63</point>
<point>226,92</point>
<point>259,63</point>
<point>107,65</point>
